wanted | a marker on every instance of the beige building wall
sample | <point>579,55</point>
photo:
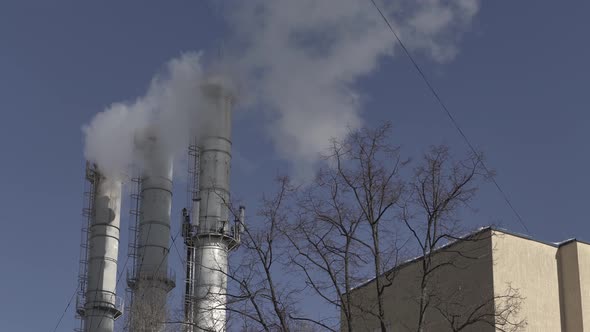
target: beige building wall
<point>554,281</point>
<point>584,268</point>
<point>530,267</point>
<point>458,288</point>
<point>569,287</point>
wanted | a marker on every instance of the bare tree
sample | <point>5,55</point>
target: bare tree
<point>438,191</point>
<point>337,237</point>
<point>355,203</point>
<point>498,311</point>
<point>352,224</point>
<point>146,313</point>
<point>259,293</point>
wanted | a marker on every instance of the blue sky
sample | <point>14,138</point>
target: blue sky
<point>518,87</point>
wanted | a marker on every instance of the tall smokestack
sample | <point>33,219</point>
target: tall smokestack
<point>214,236</point>
<point>100,305</point>
<point>153,281</point>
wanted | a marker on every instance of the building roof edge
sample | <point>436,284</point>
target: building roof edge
<point>470,235</point>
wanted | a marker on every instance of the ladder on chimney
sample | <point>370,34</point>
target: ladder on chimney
<point>132,247</point>
<point>192,196</point>
<point>88,216</point>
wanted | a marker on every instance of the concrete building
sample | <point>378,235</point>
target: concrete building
<point>494,276</point>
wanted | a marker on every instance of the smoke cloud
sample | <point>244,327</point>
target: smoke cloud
<point>297,60</point>
<point>172,110</point>
<point>306,56</point>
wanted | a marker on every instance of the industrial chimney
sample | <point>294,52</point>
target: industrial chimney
<point>214,231</point>
<point>151,280</point>
<point>97,303</point>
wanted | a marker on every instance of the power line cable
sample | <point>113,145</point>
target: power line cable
<point>67,307</point>
<point>119,277</point>
<point>164,258</point>
<point>449,115</point>
<point>162,261</point>
<point>78,287</point>
<point>100,277</point>
<point>173,243</point>
<point>167,253</point>
<point>182,262</point>
<point>159,265</point>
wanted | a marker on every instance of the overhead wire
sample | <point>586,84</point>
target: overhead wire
<point>173,243</point>
<point>101,267</point>
<point>166,255</point>
<point>66,309</point>
<point>71,299</point>
<point>182,262</point>
<point>159,265</point>
<point>119,277</point>
<point>449,115</point>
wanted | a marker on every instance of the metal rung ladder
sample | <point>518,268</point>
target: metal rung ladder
<point>88,214</point>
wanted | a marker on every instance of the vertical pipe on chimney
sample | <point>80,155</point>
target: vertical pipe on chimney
<point>102,307</point>
<point>153,280</point>
<point>214,238</point>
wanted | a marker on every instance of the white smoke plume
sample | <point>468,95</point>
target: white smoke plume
<point>306,56</point>
<point>171,110</point>
<point>299,60</point>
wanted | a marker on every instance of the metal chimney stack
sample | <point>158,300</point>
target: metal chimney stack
<point>98,305</point>
<point>152,280</point>
<point>213,231</point>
